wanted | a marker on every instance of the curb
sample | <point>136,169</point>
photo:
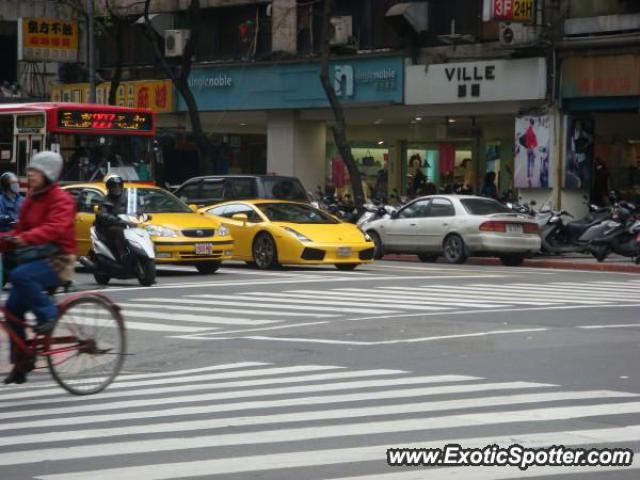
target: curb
<point>560,264</point>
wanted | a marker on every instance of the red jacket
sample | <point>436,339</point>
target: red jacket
<point>48,217</point>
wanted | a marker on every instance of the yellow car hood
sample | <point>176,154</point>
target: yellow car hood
<point>180,221</point>
<point>338,233</point>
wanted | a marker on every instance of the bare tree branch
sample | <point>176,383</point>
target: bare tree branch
<point>340,128</point>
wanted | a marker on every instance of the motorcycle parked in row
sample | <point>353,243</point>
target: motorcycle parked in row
<point>139,261</point>
<point>621,234</point>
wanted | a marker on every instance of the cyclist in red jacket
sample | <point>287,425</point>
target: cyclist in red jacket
<point>47,219</point>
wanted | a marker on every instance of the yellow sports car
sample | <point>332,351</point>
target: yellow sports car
<point>179,234</point>
<point>268,233</point>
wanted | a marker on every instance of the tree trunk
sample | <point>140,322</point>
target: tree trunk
<point>180,80</point>
<point>340,128</point>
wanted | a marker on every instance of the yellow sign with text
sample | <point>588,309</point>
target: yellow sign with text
<point>156,95</point>
<point>48,39</point>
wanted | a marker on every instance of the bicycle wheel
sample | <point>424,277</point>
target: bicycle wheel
<point>87,345</point>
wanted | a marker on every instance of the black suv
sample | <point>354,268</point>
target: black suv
<point>209,190</point>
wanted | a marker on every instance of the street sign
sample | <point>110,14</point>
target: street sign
<point>47,39</point>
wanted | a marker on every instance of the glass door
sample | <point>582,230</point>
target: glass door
<point>26,147</point>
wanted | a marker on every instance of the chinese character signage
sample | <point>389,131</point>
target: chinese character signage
<point>82,119</point>
<point>156,95</point>
<point>514,10</point>
<point>48,40</point>
<point>606,76</point>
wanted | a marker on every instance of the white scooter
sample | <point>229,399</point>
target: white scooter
<point>139,261</point>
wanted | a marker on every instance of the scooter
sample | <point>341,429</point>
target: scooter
<point>138,262</point>
<point>622,235</point>
<point>374,212</point>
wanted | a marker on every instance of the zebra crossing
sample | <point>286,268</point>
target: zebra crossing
<point>269,421</point>
<point>208,313</point>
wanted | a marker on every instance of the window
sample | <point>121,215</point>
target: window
<point>189,192</point>
<point>441,207</point>
<point>234,209</point>
<point>484,206</point>
<point>212,190</point>
<point>88,200</point>
<point>415,209</point>
<point>218,211</point>
<point>284,189</point>
<point>240,188</point>
<point>295,213</point>
<point>158,201</point>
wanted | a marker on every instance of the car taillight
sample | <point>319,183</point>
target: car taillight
<point>492,226</point>
<point>531,228</point>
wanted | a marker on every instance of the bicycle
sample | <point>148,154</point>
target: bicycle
<point>85,350</point>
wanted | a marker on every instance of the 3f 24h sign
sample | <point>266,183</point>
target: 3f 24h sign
<point>514,10</point>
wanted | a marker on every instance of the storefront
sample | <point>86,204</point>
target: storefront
<point>601,98</point>
<point>286,105</point>
<point>464,123</point>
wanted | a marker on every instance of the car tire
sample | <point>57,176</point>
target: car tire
<point>265,252</point>
<point>346,266</point>
<point>512,260</point>
<point>378,247</point>
<point>426,258</point>
<point>455,251</point>
<point>207,268</point>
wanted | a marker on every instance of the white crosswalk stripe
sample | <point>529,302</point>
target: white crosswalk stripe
<point>255,419</point>
<point>217,314</point>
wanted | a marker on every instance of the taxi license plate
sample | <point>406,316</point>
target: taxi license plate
<point>344,251</point>
<point>514,228</point>
<point>204,248</point>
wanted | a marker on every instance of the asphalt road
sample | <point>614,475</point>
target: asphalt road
<point>311,373</point>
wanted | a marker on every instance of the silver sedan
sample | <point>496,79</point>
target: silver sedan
<point>456,226</point>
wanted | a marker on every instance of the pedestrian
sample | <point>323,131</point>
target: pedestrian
<point>10,201</point>
<point>530,142</point>
<point>600,182</point>
<point>489,188</point>
<point>581,142</point>
<point>417,178</point>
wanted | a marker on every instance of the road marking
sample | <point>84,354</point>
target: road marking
<point>310,416</point>
<point>140,303</point>
<point>505,291</point>
<point>280,382</point>
<point>195,336</point>
<point>257,303</point>
<point>620,325</point>
<point>470,296</point>
<point>316,432</point>
<point>185,317</point>
<point>392,342</point>
<point>58,420</point>
<point>375,297</point>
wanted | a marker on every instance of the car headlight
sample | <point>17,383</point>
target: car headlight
<point>298,235</point>
<point>366,236</point>
<point>160,231</point>
<point>222,231</point>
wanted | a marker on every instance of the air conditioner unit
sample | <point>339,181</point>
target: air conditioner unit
<point>341,31</point>
<point>518,35</point>
<point>174,42</point>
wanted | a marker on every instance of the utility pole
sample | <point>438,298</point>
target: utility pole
<point>92,52</point>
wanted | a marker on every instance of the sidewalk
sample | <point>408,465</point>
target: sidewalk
<point>614,263</point>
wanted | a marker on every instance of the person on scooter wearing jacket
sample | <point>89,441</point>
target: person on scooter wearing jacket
<point>10,201</point>
<point>108,226</point>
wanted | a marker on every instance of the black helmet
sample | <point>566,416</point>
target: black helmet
<point>614,196</point>
<point>114,181</point>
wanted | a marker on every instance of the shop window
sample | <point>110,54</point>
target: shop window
<point>594,8</point>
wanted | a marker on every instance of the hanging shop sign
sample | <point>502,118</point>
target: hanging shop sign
<point>534,157</point>
<point>156,95</point>
<point>606,76</point>
<point>513,10</point>
<point>486,81</point>
<point>372,80</point>
<point>47,40</point>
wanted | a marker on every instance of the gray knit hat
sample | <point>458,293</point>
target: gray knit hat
<point>49,163</point>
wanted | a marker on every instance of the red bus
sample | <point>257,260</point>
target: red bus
<point>93,139</point>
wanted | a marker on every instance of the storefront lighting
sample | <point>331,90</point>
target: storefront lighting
<point>452,120</point>
<point>242,124</point>
<point>418,119</point>
<point>380,142</point>
<point>378,121</point>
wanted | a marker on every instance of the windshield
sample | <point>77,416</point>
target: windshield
<point>90,157</point>
<point>284,189</point>
<point>294,213</point>
<point>484,206</point>
<point>159,201</point>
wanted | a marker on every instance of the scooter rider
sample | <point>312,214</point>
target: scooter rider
<point>108,226</point>
<point>10,201</point>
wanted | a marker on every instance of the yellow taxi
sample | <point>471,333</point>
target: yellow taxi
<point>180,235</point>
<point>269,233</point>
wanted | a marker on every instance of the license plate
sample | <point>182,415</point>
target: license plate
<point>344,251</point>
<point>514,228</point>
<point>204,248</point>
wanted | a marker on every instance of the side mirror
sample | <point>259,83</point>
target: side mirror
<point>240,217</point>
<point>193,207</point>
<point>395,214</point>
